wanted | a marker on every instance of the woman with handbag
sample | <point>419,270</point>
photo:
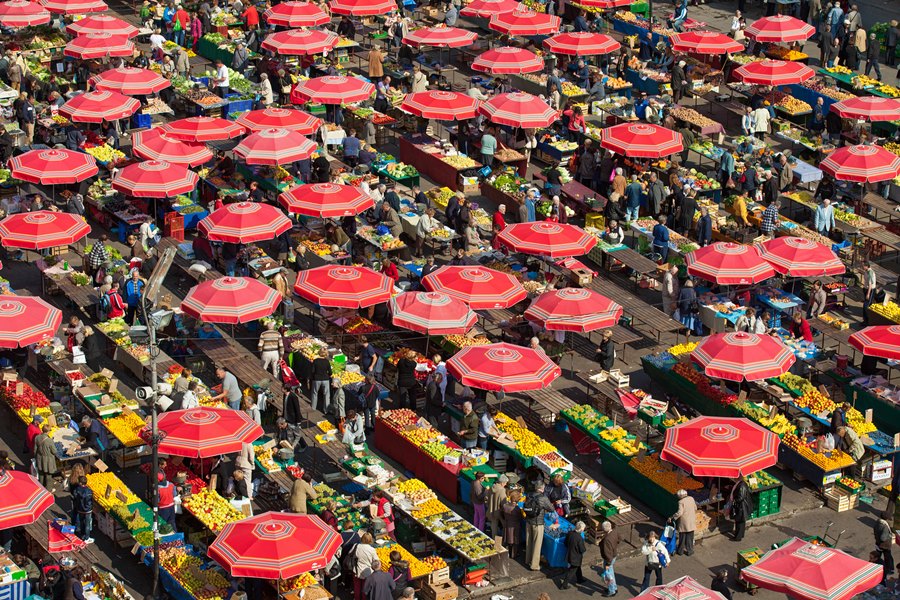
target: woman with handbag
<point>656,558</point>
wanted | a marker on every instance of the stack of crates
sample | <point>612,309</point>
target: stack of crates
<point>768,502</point>
<point>174,226</point>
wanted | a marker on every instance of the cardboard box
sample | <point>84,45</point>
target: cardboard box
<point>446,590</point>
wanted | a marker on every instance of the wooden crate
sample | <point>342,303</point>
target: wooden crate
<point>440,591</point>
<point>840,500</point>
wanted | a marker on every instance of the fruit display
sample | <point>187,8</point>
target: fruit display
<point>399,418</point>
<point>266,459</point>
<point>460,162</point>
<point>776,423</point>
<point>670,422</point>
<point>131,517</point>
<point>834,460</point>
<point>360,326</point>
<point>105,153</point>
<point>211,509</point>
<point>350,377</point>
<point>587,418</point>
<point>190,570</point>
<point>689,115</point>
<point>385,242</point>
<point>306,345</point>
<point>889,310</point>
<point>616,83</point>
<point>861,82</point>
<point>783,53</point>
<point>892,147</point>
<point>839,70</point>
<point>627,446</point>
<point>28,399</point>
<point>127,428</point>
<point>317,248</point>
<point>761,479</point>
<point>816,402</point>
<point>703,384</point>
<point>417,568</point>
<point>298,583</point>
<point>570,89</point>
<point>888,90</point>
<point>119,493</point>
<point>663,474</point>
<point>563,145</point>
<point>464,341</point>
<point>435,563</point>
<point>439,196</point>
<point>681,349</point>
<point>858,423</point>
<point>825,90</point>
<point>792,106</point>
<point>510,184</point>
<point>528,444</point>
<point>851,485</point>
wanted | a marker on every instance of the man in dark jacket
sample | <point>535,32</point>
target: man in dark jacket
<point>609,549</point>
<point>606,352</point>
<point>535,508</point>
<point>704,228</point>
<point>883,540</point>
<point>575,550</point>
<point>82,507</point>
<point>379,585</point>
<point>678,80</point>
<point>686,213</point>
<point>406,381</point>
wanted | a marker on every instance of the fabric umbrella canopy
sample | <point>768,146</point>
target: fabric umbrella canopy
<point>244,223</point>
<point>720,447</point>
<point>774,72</point>
<point>363,8</point>
<point>441,37</point>
<point>444,106</point>
<point>300,42</point>
<point>518,109</point>
<point>607,4</point>
<point>154,144</point>
<point>42,229</point>
<point>739,356</point>
<point>485,8</point>
<point>641,140</point>
<point>280,118</point>
<point>507,60</point>
<point>546,238</point>
<point>704,42</point>
<point>332,89</point>
<point>343,287</point>
<point>275,545</point>
<point>75,7</point>
<point>574,309</point>
<point>727,263</point>
<point>274,147</point>
<point>231,300</point>
<point>581,43</point>
<point>296,14</point>
<point>811,571</point>
<point>479,287</point>
<point>800,257</point>
<point>99,45</point>
<point>868,108</point>
<point>203,129</point>
<point>862,164</point>
<point>326,200</point>
<point>96,107</point>
<point>779,29</point>
<point>201,432</point>
<point>503,368</point>
<point>22,13</point>
<point>26,320</point>
<point>432,313</point>
<point>102,24</point>
<point>880,341</point>
<point>24,499</point>
<point>155,179</point>
<point>683,588</point>
<point>53,167</point>
<point>130,81</point>
<point>524,21</point>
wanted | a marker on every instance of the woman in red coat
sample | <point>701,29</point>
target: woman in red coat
<point>799,328</point>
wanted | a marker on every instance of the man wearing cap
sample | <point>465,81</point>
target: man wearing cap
<point>166,494</point>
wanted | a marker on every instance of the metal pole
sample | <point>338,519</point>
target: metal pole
<point>154,441</point>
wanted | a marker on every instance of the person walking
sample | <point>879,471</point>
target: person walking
<point>883,540</point>
<point>511,519</point>
<point>379,585</point>
<point>741,507</point>
<point>720,584</point>
<point>536,507</point>
<point>134,288</point>
<point>245,461</point>
<point>870,286</point>
<point>823,218</point>
<point>671,289</point>
<point>271,348</point>
<point>45,458</point>
<point>685,519</point>
<point>575,549</point>
<point>321,380</point>
<point>609,550</point>
<point>83,506</point>
<point>656,558</point>
<point>873,52</point>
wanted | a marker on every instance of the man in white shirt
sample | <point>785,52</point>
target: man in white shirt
<point>222,79</point>
<point>156,43</point>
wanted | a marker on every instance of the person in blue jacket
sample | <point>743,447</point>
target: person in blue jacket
<point>661,238</point>
<point>704,228</point>
<point>134,288</point>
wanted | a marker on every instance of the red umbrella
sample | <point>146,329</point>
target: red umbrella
<point>154,144</point>
<point>774,72</point>
<point>24,499</point>
<point>343,287</point>
<point>332,89</point>
<point>99,45</point>
<point>641,140</point>
<point>53,167</point>
<point>231,300</point>
<point>880,341</point>
<point>131,81</point>
<point>811,571</point>
<point>479,287</point>
<point>96,107</point>
<point>546,238</point>
<point>244,223</point>
<point>42,229</point>
<point>738,356</point>
<point>361,8</point>
<point>683,588</point>
<point>868,108</point>
<point>441,37</point>
<point>22,13</point>
<point>432,313</point>
<point>720,447</point>
<point>203,129</point>
<point>727,263</point>
<point>486,8</point>
<point>155,179</point>
<point>280,118</point>
<point>573,309</point>
<point>524,21</point>
<point>503,367</point>
<point>202,432</point>
<point>444,106</point>
<point>26,320</point>
<point>800,257</point>
<point>274,147</point>
<point>862,164</point>
<point>275,545</point>
<point>299,42</point>
<point>581,43</point>
<point>102,24</point>
<point>507,60</point>
<point>75,7</point>
<point>326,200</point>
<point>518,109</point>
<point>779,29</point>
<point>606,4</point>
<point>296,14</point>
<point>704,42</point>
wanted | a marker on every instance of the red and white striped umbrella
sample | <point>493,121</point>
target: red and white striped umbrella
<point>26,320</point>
<point>581,43</point>
<point>130,81</point>
<point>154,144</point>
<point>507,60</point>
<point>720,447</point>
<point>53,167</point>
<point>774,72</point>
<point>102,24</point>
<point>296,14</point>
<point>441,37</point>
<point>800,257</point>
<point>486,8</point>
<point>300,42</point>
<point>42,229</point>
<point>154,179</point>
<point>868,108</point>
<point>704,42</point>
<point>24,499</point>
<point>503,367</point>
<point>231,300</point>
<point>362,8</point>
<point>779,29</point>
<point>862,164</point>
<point>332,89</point>
<point>606,4</point>
<point>432,313</point>
<point>96,107</point>
<point>280,118</point>
<point>274,147</point>
<point>444,106</point>
<point>880,341</point>
<point>75,7</point>
<point>202,431</point>
<point>99,45</point>
<point>574,309</point>
<point>728,263</point>
<point>524,21</point>
<point>326,200</point>
<point>22,13</point>
<point>479,287</point>
<point>641,140</point>
<point>737,356</point>
<point>518,109</point>
<point>546,238</point>
<point>244,223</point>
<point>203,129</point>
<point>343,287</point>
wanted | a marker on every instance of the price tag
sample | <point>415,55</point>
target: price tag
<point>113,385</point>
<point>108,492</point>
<point>869,415</point>
<point>20,388</point>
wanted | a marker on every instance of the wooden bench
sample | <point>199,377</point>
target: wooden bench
<point>653,318</point>
<point>840,336</point>
<point>634,260</point>
<point>880,204</point>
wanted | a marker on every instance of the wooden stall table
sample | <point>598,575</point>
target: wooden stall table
<point>227,353</point>
<point>653,318</point>
<point>634,260</point>
<point>412,152</point>
<point>576,196</point>
<point>883,236</point>
<point>83,297</point>
<point>841,337</point>
<point>879,203</point>
<point>38,542</point>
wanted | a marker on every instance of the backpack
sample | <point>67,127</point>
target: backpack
<point>104,303</point>
<point>351,561</point>
<point>530,508</point>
